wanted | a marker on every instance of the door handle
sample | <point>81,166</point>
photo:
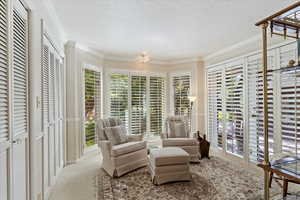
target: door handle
<point>17,141</point>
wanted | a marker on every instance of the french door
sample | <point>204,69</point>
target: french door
<point>14,142</point>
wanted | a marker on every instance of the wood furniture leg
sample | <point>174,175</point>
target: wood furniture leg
<point>285,187</point>
<point>271,178</point>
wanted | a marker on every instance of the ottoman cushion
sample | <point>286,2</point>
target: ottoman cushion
<point>168,156</point>
<point>180,142</point>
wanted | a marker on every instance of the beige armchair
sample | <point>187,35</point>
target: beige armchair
<point>122,158</point>
<point>186,141</point>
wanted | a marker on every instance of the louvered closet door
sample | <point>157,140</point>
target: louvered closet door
<point>157,104</point>
<point>138,104</point>
<point>52,113</point>
<point>61,112</point>
<point>45,111</point>
<point>4,106</point>
<point>57,134</point>
<point>119,97</point>
<point>234,108</point>
<point>290,98</point>
<point>215,114</point>
<point>19,100</point>
<point>255,107</point>
<point>51,134</point>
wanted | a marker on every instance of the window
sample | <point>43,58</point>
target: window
<point>234,108</point>
<point>157,104</point>
<point>119,97</point>
<point>92,90</point>
<point>181,87</point>
<point>132,95</point>
<point>255,107</point>
<point>215,114</point>
<point>138,104</point>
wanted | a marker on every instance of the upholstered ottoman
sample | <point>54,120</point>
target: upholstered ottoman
<point>168,165</point>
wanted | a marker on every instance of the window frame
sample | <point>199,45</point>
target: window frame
<point>130,73</point>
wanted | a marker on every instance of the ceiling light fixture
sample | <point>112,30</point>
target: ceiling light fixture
<point>143,57</point>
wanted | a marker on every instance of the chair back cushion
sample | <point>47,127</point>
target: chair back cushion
<point>176,127</point>
<point>116,134</point>
<point>179,130</point>
<point>104,123</point>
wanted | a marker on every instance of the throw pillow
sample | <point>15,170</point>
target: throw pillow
<point>180,131</point>
<point>116,134</point>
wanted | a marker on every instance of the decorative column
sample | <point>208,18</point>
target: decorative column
<point>73,116</point>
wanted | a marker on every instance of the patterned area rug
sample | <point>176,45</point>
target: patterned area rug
<point>213,179</point>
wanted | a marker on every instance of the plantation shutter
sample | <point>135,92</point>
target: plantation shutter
<point>45,86</point>
<point>20,115</point>
<point>138,104</point>
<point>98,95</point>
<point>234,108</point>
<point>255,107</point>
<point>4,106</point>
<point>290,89</point>
<point>181,86</point>
<point>215,114</point>
<point>119,97</point>
<point>157,104</point>
<point>92,103</point>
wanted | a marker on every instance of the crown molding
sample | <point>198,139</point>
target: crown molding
<point>152,60</point>
<point>91,51</point>
<point>185,61</point>
<point>234,47</point>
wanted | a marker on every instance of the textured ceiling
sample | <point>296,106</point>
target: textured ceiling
<point>166,29</point>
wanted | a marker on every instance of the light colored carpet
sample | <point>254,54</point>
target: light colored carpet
<point>213,179</point>
<point>76,182</point>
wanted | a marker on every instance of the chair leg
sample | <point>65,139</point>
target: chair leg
<point>285,187</point>
<point>271,178</point>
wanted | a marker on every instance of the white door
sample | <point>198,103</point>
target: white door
<point>5,150</point>
<point>14,142</point>
<point>19,114</point>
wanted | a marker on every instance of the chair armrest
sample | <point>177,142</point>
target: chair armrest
<point>135,138</point>
<point>163,136</point>
<point>105,146</point>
